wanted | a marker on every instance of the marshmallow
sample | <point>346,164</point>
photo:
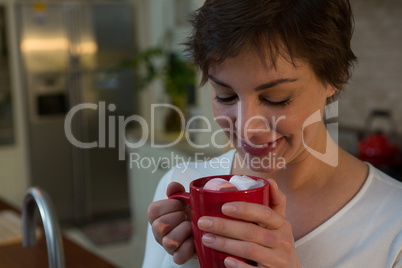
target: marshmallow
<point>245,183</point>
<point>219,184</point>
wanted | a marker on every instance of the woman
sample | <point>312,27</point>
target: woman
<point>273,65</point>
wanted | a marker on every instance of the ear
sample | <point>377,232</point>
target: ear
<point>330,91</point>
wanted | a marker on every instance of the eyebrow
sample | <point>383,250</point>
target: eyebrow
<point>260,87</point>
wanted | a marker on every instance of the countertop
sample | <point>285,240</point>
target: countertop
<point>16,256</point>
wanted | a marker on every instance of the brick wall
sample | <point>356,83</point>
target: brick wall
<point>377,78</point>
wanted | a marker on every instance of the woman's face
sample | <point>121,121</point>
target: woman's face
<point>263,109</point>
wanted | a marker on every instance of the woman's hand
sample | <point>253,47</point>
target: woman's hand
<point>170,221</point>
<point>267,240</point>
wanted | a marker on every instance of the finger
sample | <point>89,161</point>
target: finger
<point>174,239</point>
<point>185,252</point>
<point>277,199</point>
<point>174,187</point>
<point>163,207</point>
<point>232,262</point>
<point>166,223</point>
<point>263,215</point>
<point>242,249</point>
<point>238,230</point>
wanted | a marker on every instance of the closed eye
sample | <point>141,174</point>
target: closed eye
<point>225,100</point>
<point>276,103</point>
<point>263,101</point>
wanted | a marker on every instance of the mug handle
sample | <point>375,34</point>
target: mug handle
<point>181,196</point>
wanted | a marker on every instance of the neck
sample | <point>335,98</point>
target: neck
<point>305,177</point>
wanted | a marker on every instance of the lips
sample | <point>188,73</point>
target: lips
<point>262,149</point>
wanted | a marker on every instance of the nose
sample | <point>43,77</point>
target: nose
<point>251,122</point>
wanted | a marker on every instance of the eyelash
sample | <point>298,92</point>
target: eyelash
<point>264,101</point>
<point>225,100</point>
<point>279,103</point>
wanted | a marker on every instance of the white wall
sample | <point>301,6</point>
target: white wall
<point>14,179</point>
<point>377,79</point>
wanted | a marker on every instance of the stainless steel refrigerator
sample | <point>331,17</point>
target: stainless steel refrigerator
<point>71,53</point>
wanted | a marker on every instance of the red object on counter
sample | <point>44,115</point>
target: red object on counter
<point>376,148</point>
<point>378,151</point>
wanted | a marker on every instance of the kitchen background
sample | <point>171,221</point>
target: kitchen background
<point>376,81</point>
<point>376,85</point>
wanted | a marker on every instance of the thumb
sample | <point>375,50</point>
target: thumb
<point>174,187</point>
<point>277,199</point>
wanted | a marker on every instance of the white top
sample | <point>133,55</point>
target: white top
<point>366,232</point>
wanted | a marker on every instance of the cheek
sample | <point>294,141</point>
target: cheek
<point>289,127</point>
<point>223,115</point>
<point>291,124</point>
<point>215,109</point>
<point>297,127</point>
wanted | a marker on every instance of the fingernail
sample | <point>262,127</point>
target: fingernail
<point>204,223</point>
<point>229,263</point>
<point>208,239</point>
<point>227,208</point>
<point>273,183</point>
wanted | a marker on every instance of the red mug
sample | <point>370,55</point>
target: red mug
<point>209,203</point>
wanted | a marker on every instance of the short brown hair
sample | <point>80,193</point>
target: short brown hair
<point>318,31</point>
